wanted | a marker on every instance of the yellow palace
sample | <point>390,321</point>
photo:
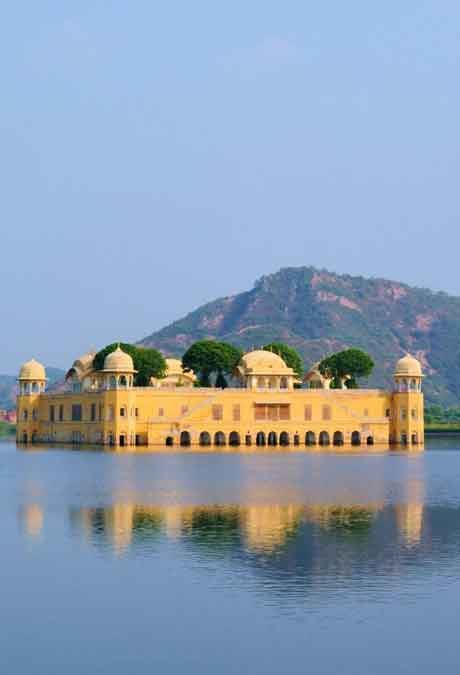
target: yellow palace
<point>265,409</point>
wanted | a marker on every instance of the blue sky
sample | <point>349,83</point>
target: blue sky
<point>158,155</point>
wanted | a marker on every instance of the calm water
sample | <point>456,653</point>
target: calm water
<point>229,562</point>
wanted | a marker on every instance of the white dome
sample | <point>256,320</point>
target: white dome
<point>118,361</point>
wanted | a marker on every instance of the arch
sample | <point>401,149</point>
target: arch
<point>24,437</point>
<point>404,439</point>
<point>234,439</point>
<point>248,439</point>
<point>122,440</point>
<point>283,383</point>
<point>272,384</point>
<point>414,439</point>
<point>219,438</point>
<point>123,382</point>
<point>337,438</point>
<point>284,438</point>
<point>169,441</point>
<point>310,438</point>
<point>185,439</point>
<point>205,438</point>
<point>113,382</point>
<point>260,439</point>
<point>370,440</point>
<point>261,382</point>
<point>324,438</point>
<point>272,438</point>
<point>355,438</point>
<point>296,439</point>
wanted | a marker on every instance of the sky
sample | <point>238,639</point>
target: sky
<point>156,156</point>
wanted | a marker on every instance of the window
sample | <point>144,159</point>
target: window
<point>388,412</point>
<point>122,412</point>
<point>366,412</point>
<point>136,412</point>
<point>93,412</point>
<point>285,411</point>
<point>273,412</point>
<point>101,411</point>
<point>217,412</point>
<point>413,413</point>
<point>61,413</point>
<point>51,413</point>
<point>403,413</point>
<point>307,413</point>
<point>236,413</point>
<point>184,409</point>
<point>259,411</point>
<point>25,415</point>
<point>326,412</point>
<point>34,414</point>
<point>76,412</point>
<point>161,412</point>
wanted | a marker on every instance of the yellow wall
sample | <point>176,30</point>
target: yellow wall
<point>359,410</point>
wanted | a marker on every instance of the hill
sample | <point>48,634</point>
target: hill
<point>8,386</point>
<point>318,312</point>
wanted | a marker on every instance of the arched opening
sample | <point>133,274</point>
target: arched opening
<point>185,439</point>
<point>123,381</point>
<point>205,438</point>
<point>338,438</point>
<point>284,438</point>
<point>248,439</point>
<point>219,438</point>
<point>234,439</point>
<point>414,439</point>
<point>113,382</point>
<point>272,438</point>
<point>296,439</point>
<point>283,383</point>
<point>260,439</point>
<point>122,440</point>
<point>356,438</point>
<point>24,438</point>
<point>370,440</point>
<point>169,441</point>
<point>261,383</point>
<point>310,438</point>
<point>272,383</point>
<point>324,438</point>
<point>404,439</point>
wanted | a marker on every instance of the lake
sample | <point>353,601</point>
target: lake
<point>229,562</point>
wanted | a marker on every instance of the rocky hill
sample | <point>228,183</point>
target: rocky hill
<point>318,312</point>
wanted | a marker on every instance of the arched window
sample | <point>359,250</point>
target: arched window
<point>369,440</point>
<point>324,438</point>
<point>169,441</point>
<point>35,387</point>
<point>272,438</point>
<point>123,382</point>
<point>185,439</point>
<point>260,439</point>
<point>205,438</point>
<point>110,413</point>
<point>272,383</point>
<point>414,439</point>
<point>310,438</point>
<point>113,382</point>
<point>296,439</point>
<point>283,383</point>
<point>248,439</point>
<point>234,439</point>
<point>284,438</point>
<point>356,438</point>
<point>338,438</point>
<point>219,438</point>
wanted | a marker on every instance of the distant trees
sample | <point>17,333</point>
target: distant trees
<point>290,356</point>
<point>148,362</point>
<point>211,357</point>
<point>343,368</point>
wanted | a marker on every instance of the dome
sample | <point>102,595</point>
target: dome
<point>408,366</point>
<point>174,367</point>
<point>119,361</point>
<point>261,360</point>
<point>32,370</point>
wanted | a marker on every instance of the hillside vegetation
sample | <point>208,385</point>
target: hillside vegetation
<point>319,312</point>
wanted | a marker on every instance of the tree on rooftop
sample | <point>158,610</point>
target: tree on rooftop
<point>345,367</point>
<point>290,356</point>
<point>148,362</point>
<point>210,357</point>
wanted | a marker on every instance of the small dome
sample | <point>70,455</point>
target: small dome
<point>32,370</point>
<point>260,359</point>
<point>408,366</point>
<point>119,361</point>
<point>174,367</point>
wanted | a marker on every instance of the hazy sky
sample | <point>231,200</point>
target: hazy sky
<point>155,156</point>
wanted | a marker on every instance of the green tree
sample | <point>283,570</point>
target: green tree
<point>345,367</point>
<point>148,362</point>
<point>210,357</point>
<point>290,356</point>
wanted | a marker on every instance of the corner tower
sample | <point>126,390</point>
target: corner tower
<point>407,423</point>
<point>32,383</point>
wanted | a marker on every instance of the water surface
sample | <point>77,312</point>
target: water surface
<point>229,562</point>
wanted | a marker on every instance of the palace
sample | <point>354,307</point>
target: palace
<point>269,407</point>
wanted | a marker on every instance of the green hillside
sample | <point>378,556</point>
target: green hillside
<point>317,312</point>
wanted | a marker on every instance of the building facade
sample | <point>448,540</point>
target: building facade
<point>267,408</point>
